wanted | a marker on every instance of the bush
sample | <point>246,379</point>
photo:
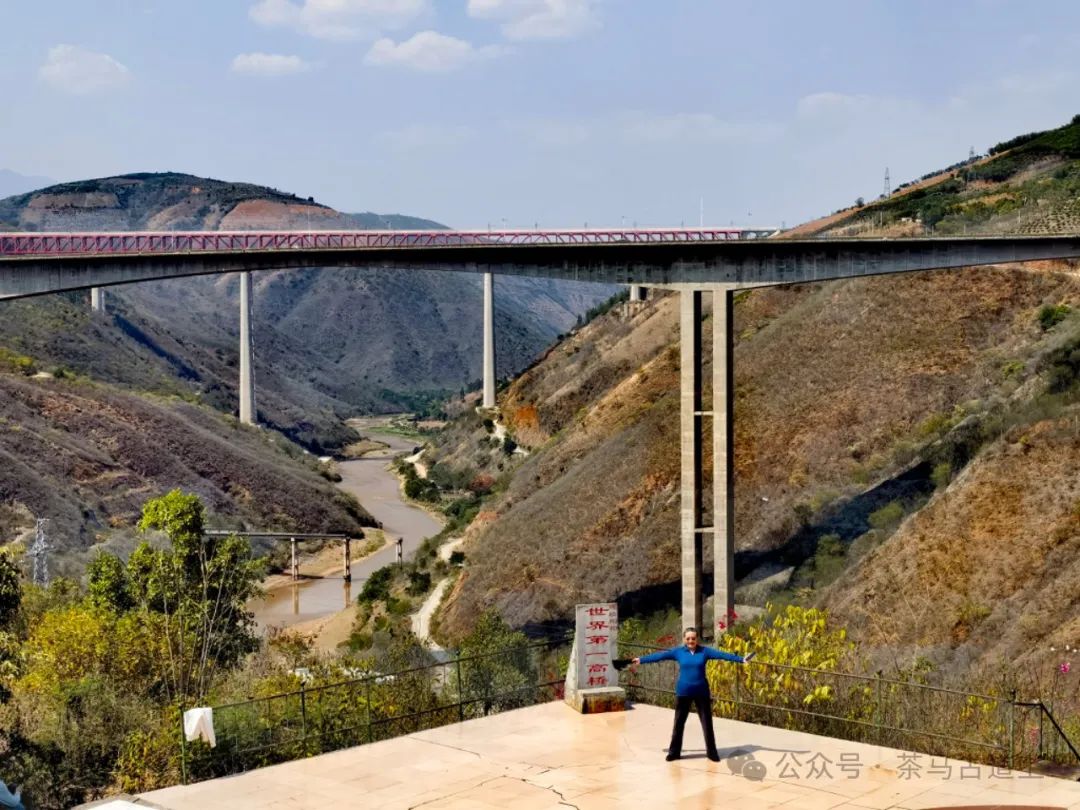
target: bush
<point>377,586</point>
<point>1050,316</point>
<point>941,474</point>
<point>887,517</point>
<point>419,583</point>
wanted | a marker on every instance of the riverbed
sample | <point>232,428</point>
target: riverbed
<point>376,486</point>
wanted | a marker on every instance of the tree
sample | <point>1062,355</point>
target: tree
<point>107,583</point>
<point>10,588</point>
<point>498,668</point>
<point>198,588</point>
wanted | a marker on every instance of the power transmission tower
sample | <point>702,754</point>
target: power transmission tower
<point>888,184</point>
<point>971,153</point>
<point>38,553</point>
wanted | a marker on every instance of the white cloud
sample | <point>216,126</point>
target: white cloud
<point>338,19</point>
<point>268,65</point>
<point>427,51</point>
<point>538,19</point>
<point>76,70</point>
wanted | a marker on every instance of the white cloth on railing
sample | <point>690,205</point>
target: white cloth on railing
<point>199,725</point>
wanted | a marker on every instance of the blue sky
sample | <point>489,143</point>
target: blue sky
<point>523,112</point>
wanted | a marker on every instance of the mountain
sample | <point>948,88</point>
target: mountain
<point>905,429</point>
<point>329,343</point>
<point>87,456</point>
<point>15,183</point>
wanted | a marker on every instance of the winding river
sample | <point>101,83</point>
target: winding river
<point>378,489</point>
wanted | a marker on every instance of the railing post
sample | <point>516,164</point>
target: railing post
<point>1012,727</point>
<point>183,747</point>
<point>303,716</point>
<point>370,730</point>
<point>738,701</point>
<point>1042,718</point>
<point>879,710</point>
<point>460,694</point>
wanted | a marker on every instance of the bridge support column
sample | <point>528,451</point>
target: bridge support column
<point>247,376</point>
<point>348,561</point>
<point>489,341</point>
<point>690,450</point>
<point>692,529</point>
<point>723,460</point>
<point>97,300</point>
<point>637,294</point>
<point>294,564</point>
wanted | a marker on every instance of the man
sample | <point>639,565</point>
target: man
<point>692,688</point>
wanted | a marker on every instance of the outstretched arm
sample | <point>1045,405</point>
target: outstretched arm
<point>719,655</point>
<point>652,658</point>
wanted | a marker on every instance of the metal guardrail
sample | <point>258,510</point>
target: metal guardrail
<point>326,717</point>
<point>872,708</point>
<point>863,708</point>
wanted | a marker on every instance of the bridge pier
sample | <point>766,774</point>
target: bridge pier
<point>692,416</point>
<point>247,376</point>
<point>97,300</point>
<point>637,293</point>
<point>489,340</point>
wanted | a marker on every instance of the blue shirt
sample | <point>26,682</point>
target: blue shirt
<point>691,666</point>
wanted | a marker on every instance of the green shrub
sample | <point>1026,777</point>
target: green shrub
<point>1050,316</point>
<point>941,474</point>
<point>887,517</point>
<point>377,586</point>
<point>419,583</point>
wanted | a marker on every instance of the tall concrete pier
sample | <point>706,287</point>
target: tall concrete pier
<point>723,435</point>
<point>247,375</point>
<point>692,416</point>
<point>489,340</point>
<point>637,293</point>
<point>690,451</point>
<point>97,300</point>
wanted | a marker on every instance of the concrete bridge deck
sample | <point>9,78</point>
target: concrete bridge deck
<point>36,264</point>
<point>551,757</point>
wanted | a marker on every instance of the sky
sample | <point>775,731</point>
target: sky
<point>524,113</point>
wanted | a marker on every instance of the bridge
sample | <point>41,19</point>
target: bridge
<point>693,261</point>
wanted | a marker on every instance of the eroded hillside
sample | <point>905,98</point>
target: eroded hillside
<point>87,457</point>
<point>858,404</point>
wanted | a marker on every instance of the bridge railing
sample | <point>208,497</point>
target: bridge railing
<point>323,717</point>
<point>173,242</point>
<point>992,729</point>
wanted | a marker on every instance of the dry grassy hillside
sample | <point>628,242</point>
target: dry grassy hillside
<point>989,570</point>
<point>855,401</point>
<point>839,387</point>
<point>87,457</point>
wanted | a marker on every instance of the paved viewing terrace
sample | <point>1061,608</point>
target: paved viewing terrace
<point>550,756</point>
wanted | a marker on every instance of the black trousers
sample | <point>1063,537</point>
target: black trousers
<point>703,704</point>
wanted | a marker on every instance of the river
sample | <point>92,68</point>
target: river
<point>378,489</point>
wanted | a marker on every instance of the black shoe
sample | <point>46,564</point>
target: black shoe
<point>671,757</point>
<point>715,757</point>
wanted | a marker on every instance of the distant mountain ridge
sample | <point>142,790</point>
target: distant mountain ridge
<point>14,183</point>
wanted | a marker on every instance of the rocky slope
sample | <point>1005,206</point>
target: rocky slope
<point>856,402</point>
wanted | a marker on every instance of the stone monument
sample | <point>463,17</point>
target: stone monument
<point>592,683</point>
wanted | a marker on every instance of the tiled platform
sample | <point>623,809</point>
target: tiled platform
<point>550,757</point>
